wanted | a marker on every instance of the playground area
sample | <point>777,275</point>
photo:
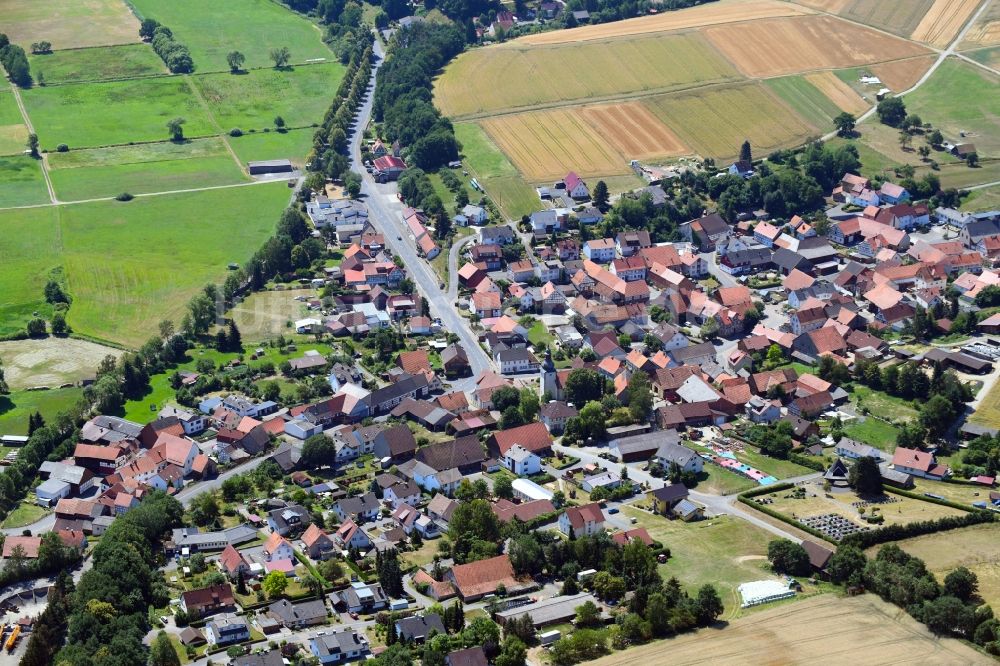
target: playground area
<point>724,454</point>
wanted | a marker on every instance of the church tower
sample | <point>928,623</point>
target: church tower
<point>547,380</point>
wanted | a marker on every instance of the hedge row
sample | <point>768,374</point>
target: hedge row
<point>764,490</point>
<point>933,500</point>
<point>807,461</point>
<point>898,532</point>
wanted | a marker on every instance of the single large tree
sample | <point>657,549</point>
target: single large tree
<point>235,60</point>
<point>600,195</point>
<point>280,57</point>
<point>866,478</point>
<point>788,557</point>
<point>844,122</point>
<point>746,153</point>
<point>175,127</point>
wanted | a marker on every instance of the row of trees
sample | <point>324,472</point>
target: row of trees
<point>953,608</point>
<point>15,61</point>
<point>175,55</point>
<point>329,153</point>
<point>403,93</point>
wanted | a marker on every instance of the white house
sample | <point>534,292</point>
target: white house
<point>583,520</point>
<point>349,535</point>
<point>277,548</point>
<point>599,250</point>
<point>521,461</point>
<point>402,493</point>
<point>475,214</point>
<point>575,187</point>
<point>227,629</point>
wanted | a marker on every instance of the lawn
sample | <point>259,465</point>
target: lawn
<point>19,405</point>
<point>253,27</point>
<point>97,64</point>
<point>252,100</point>
<point>723,551</point>
<point>150,167</point>
<point>30,248</point>
<point>971,547</point>
<point>115,112</point>
<point>25,513</point>
<point>156,252</point>
<point>945,102</point>
<point>983,200</point>
<point>13,133</point>
<point>539,334</point>
<point>962,493</point>
<point>22,182</point>
<point>485,162</point>
<point>69,24</point>
<point>872,431</point>
<point>293,145</point>
<point>264,314</point>
<point>423,555</point>
<point>878,402</point>
<point>723,482</point>
<point>988,412</point>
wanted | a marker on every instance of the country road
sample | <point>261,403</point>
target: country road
<point>386,212</point>
<point>942,56</point>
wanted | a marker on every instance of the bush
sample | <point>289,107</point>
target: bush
<point>62,148</point>
<point>236,131</point>
<point>124,196</point>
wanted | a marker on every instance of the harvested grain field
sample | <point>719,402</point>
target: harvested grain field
<point>902,74</point>
<point>899,18</point>
<point>774,47</point>
<point>856,630</point>
<point>544,145</point>
<point>986,30</point>
<point>838,92</point>
<point>832,6</point>
<point>943,21</point>
<point>716,122</point>
<point>634,131</point>
<point>69,25</point>
<point>970,547</point>
<point>51,361</point>
<point>726,11</point>
<point>513,76</point>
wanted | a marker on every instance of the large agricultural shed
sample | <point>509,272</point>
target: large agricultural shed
<point>549,611</point>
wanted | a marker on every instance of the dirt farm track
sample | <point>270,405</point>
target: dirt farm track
<point>857,631</point>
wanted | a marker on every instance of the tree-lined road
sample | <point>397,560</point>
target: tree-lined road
<point>386,211</point>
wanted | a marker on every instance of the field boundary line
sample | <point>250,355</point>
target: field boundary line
<point>146,194</point>
<point>222,134</point>
<point>31,130</point>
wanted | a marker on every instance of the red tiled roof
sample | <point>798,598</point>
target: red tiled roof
<point>483,577</point>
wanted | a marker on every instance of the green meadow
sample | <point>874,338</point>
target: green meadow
<point>96,64</point>
<point>130,265</point>
<point>13,133</point>
<point>30,248</point>
<point>946,102</point>
<point>153,167</point>
<point>251,100</point>
<point>19,405</point>
<point>490,166</point>
<point>90,115</point>
<point>293,145</point>
<point>22,182</point>
<point>212,29</point>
